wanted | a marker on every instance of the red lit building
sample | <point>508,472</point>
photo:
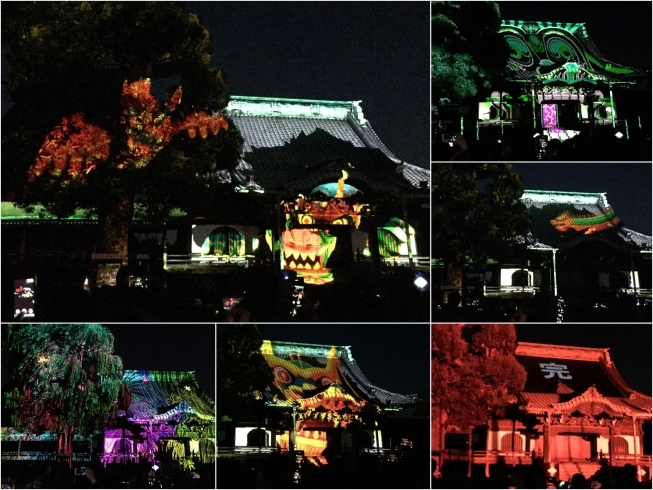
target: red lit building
<point>575,412</point>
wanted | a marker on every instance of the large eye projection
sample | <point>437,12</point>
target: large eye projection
<point>282,376</point>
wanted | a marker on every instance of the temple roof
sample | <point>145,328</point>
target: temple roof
<point>303,371</point>
<point>565,219</point>
<point>160,396</point>
<point>560,53</point>
<point>289,140</point>
<point>566,379</point>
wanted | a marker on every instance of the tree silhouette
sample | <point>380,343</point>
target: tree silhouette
<point>467,51</point>
<point>242,371</point>
<point>476,215</point>
<point>475,376</point>
<point>66,379</point>
<point>84,130</point>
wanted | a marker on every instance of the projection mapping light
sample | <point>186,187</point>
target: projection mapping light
<point>586,224</point>
<point>306,252</point>
<point>306,243</point>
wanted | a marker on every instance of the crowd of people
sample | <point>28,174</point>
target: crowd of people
<point>520,144</point>
<point>43,474</point>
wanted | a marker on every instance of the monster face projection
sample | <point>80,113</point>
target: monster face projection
<point>306,251</point>
<point>306,245</point>
<point>316,389</point>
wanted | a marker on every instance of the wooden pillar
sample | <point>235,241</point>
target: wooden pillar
<point>470,453</point>
<point>611,446</point>
<point>636,441</point>
<point>487,451</point>
<point>546,450</point>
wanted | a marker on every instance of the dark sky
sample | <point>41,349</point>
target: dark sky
<point>396,358</point>
<point>620,30</point>
<point>628,185</point>
<point>630,345</point>
<point>377,52</point>
<point>168,348</point>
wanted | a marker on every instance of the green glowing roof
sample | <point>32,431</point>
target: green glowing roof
<point>281,107</point>
<point>560,53</point>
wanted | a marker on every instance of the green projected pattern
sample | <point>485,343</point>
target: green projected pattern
<point>556,52</point>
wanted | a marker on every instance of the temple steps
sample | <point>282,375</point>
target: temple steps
<point>569,469</point>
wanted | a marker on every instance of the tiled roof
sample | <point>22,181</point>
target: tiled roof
<point>303,370</point>
<point>164,395</point>
<point>540,51</point>
<point>289,126</point>
<point>565,219</point>
<point>561,377</point>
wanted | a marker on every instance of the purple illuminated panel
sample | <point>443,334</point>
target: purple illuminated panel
<point>549,115</point>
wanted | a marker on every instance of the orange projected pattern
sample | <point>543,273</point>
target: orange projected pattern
<point>312,442</point>
<point>72,149</point>
<point>75,147</point>
<point>585,223</point>
<point>292,376</point>
<point>332,212</point>
<point>307,252</point>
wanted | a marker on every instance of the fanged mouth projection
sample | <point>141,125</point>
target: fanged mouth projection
<point>306,252</point>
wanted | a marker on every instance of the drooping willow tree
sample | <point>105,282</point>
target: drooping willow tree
<point>66,379</point>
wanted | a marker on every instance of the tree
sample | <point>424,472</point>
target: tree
<point>467,51</point>
<point>243,373</point>
<point>66,379</point>
<point>84,131</point>
<point>474,376</point>
<point>476,214</point>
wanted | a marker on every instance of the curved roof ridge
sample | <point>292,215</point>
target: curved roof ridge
<point>555,351</point>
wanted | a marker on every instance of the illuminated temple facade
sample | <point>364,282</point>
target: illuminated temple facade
<point>344,197</point>
<point>320,391</point>
<point>574,412</point>
<point>169,417</point>
<point>168,413</point>
<point>576,248</point>
<point>558,83</point>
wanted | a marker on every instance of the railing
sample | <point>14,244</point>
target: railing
<point>405,261</point>
<point>231,451</point>
<point>190,260</point>
<point>495,291</point>
<point>489,457</point>
<point>42,456</point>
<point>622,459</point>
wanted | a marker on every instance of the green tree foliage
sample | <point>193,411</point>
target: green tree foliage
<point>467,51</point>
<point>476,214</point>
<point>474,373</point>
<point>242,371</point>
<point>66,378</point>
<point>70,58</point>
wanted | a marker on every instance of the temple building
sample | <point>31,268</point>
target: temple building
<point>169,417</point>
<point>168,414</point>
<point>575,412</point>
<point>576,248</point>
<point>329,405</point>
<point>557,82</point>
<point>315,188</point>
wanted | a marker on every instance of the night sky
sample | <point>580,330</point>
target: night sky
<point>630,345</point>
<point>377,52</point>
<point>396,358</point>
<point>168,348</point>
<point>627,185</point>
<point>620,30</point>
